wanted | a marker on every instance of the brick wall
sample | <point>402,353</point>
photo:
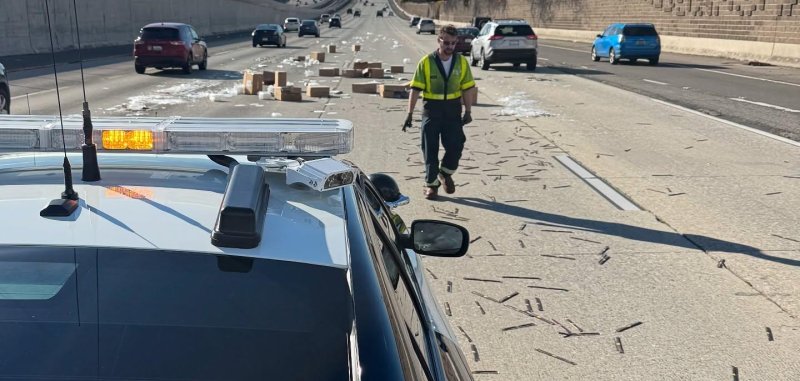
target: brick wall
<point>745,20</point>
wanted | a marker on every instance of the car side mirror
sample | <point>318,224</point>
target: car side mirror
<point>437,238</point>
<point>599,35</point>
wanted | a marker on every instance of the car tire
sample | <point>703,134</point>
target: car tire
<point>417,32</point>
<point>187,67</point>
<point>139,69</point>
<point>254,44</point>
<point>612,57</point>
<point>595,57</point>
<point>5,101</point>
<point>299,35</point>
<point>531,66</point>
<point>516,66</point>
<point>472,60</point>
<point>316,35</point>
<point>653,61</point>
<point>484,63</point>
<point>204,64</point>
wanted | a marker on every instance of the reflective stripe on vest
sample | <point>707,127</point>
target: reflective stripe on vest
<point>437,86</point>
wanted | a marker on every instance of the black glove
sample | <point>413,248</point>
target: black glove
<point>407,123</point>
<point>467,119</point>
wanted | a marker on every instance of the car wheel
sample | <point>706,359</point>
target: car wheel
<point>484,64</point>
<point>417,32</point>
<point>203,65</point>
<point>187,67</point>
<point>531,66</point>
<point>316,36</point>
<point>595,57</point>
<point>139,69</point>
<point>612,57</point>
<point>653,61</point>
<point>254,44</point>
<point>472,60</point>
<point>516,66</point>
<point>299,35</point>
<point>5,101</point>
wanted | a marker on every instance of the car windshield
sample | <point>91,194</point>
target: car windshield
<point>100,314</point>
<point>267,27</point>
<point>309,22</point>
<point>160,34</point>
<point>426,22</point>
<point>473,32</point>
<point>292,20</point>
<point>513,30</point>
<point>639,30</point>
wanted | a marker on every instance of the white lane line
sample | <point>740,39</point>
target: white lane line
<point>544,59</point>
<point>562,48</point>
<point>38,92</point>
<point>598,184</point>
<point>748,77</point>
<point>764,104</point>
<point>728,122</point>
<point>656,82</point>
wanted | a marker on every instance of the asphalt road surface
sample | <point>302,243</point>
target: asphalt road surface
<point>593,199</point>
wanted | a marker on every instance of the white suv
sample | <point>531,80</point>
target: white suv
<point>426,26</point>
<point>324,18</point>
<point>291,24</point>
<point>506,41</point>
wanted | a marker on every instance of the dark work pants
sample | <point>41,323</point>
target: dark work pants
<point>441,120</point>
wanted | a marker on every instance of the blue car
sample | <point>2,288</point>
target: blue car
<point>628,41</point>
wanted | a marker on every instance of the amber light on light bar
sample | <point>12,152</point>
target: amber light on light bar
<point>136,140</point>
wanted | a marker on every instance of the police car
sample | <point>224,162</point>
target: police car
<point>210,249</point>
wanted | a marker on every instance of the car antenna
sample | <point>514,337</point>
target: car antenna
<point>64,206</point>
<point>91,170</point>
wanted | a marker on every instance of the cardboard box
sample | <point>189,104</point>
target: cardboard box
<point>375,73</point>
<point>397,69</point>
<point>300,58</point>
<point>365,88</point>
<point>319,56</point>
<point>356,48</point>
<point>352,73</point>
<point>331,48</point>
<point>280,78</point>
<point>288,94</point>
<point>269,77</point>
<point>393,91</point>
<point>361,65</point>
<point>329,72</point>
<point>375,65</point>
<point>318,91</point>
<point>253,82</point>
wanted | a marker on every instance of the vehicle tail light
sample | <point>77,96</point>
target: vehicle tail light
<point>532,37</point>
<point>138,42</point>
<point>176,43</point>
<point>495,38</point>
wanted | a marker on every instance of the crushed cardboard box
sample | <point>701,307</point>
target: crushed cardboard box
<point>288,93</point>
<point>318,91</point>
<point>331,48</point>
<point>300,58</point>
<point>319,56</point>
<point>361,65</point>
<point>329,72</point>
<point>356,48</point>
<point>253,82</point>
<point>365,88</point>
<point>397,69</point>
<point>393,91</point>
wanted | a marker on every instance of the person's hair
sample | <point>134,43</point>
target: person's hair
<point>449,30</point>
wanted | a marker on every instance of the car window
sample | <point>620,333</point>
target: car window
<point>608,30</point>
<point>219,310</point>
<point>160,34</point>
<point>639,30</point>
<point>513,30</point>
<point>194,34</point>
<point>485,30</point>
<point>468,32</point>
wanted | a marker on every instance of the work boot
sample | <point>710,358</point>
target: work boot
<point>447,181</point>
<point>431,193</point>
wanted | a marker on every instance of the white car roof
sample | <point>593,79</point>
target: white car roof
<point>162,202</point>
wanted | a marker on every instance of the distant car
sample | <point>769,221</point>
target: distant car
<point>336,16</point>
<point>390,14</point>
<point>291,24</point>
<point>269,34</point>
<point>357,13</point>
<point>380,14</point>
<point>169,44</point>
<point>426,26</point>
<point>5,92</point>
<point>349,11</point>
<point>309,27</point>
<point>505,41</point>
<point>335,22</point>
<point>465,37</point>
<point>324,18</point>
<point>628,41</point>
<point>414,21</point>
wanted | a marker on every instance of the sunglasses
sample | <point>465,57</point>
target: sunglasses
<point>448,43</point>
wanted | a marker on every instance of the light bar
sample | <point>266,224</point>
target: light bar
<point>177,135</point>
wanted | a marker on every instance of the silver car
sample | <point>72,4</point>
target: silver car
<point>426,26</point>
<point>505,41</point>
<point>5,92</point>
<point>291,24</point>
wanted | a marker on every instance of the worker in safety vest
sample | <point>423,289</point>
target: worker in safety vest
<point>444,78</point>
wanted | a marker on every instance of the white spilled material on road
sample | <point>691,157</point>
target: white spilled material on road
<point>187,92</point>
<point>519,105</point>
<point>598,184</point>
<point>737,125</point>
<point>656,82</point>
<point>764,104</point>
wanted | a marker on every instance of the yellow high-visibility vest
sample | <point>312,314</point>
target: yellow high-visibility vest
<point>435,84</point>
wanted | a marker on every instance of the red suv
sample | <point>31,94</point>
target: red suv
<point>169,44</point>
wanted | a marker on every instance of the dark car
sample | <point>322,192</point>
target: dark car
<point>628,41</point>
<point>380,14</point>
<point>414,21</point>
<point>308,27</point>
<point>168,44</point>
<point>349,11</point>
<point>357,13</point>
<point>335,22</point>
<point>269,34</point>
<point>465,37</point>
<point>5,92</point>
